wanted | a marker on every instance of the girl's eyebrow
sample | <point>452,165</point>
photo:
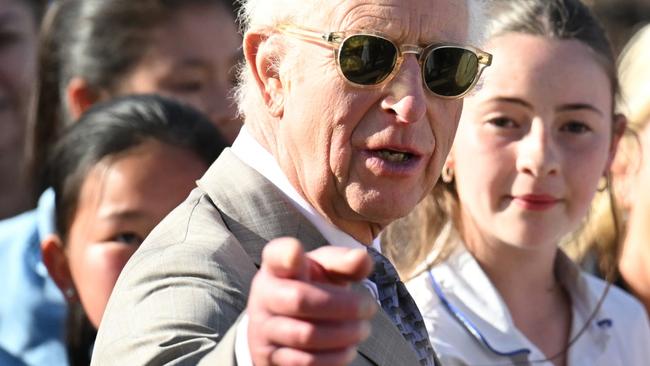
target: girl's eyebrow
<point>579,106</point>
<point>126,214</point>
<point>514,100</point>
<point>563,108</point>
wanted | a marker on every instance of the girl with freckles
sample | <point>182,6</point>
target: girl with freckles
<point>533,146</point>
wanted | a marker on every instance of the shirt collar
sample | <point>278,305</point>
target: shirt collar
<point>45,212</point>
<point>253,154</point>
<point>463,285</point>
<point>584,299</point>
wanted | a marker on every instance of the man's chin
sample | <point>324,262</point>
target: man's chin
<point>383,213</point>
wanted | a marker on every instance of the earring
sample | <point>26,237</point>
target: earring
<point>447,174</point>
<point>70,292</point>
<point>602,187</point>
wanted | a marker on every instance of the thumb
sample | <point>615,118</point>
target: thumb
<point>339,265</point>
<point>285,258</point>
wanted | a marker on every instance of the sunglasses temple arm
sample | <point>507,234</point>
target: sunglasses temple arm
<point>485,58</point>
<point>307,35</point>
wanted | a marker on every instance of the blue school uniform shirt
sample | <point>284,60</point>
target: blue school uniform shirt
<point>32,308</point>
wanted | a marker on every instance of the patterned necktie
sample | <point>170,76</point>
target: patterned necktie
<point>401,309</point>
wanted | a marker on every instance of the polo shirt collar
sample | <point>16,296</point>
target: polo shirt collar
<point>467,293</point>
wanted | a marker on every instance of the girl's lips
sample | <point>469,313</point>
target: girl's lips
<point>536,202</point>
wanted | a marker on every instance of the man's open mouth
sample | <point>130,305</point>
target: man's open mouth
<point>393,156</point>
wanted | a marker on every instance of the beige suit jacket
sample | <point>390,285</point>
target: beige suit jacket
<point>179,297</point>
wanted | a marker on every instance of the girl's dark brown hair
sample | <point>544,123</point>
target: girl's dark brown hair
<point>99,41</point>
<point>108,129</point>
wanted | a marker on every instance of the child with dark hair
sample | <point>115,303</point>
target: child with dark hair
<point>116,173</point>
<point>91,51</point>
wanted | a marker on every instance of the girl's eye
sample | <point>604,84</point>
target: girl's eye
<point>575,127</point>
<point>503,122</point>
<point>129,238</point>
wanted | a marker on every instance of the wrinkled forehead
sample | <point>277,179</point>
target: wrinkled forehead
<point>412,21</point>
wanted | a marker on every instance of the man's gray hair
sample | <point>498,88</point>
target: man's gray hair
<point>267,14</point>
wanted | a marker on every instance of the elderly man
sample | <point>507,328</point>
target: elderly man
<point>351,107</point>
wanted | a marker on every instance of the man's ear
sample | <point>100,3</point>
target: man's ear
<point>79,96</point>
<point>262,57</point>
<point>56,262</point>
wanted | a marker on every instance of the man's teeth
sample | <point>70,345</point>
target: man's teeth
<point>393,156</point>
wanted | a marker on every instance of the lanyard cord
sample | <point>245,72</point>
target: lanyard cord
<point>473,330</point>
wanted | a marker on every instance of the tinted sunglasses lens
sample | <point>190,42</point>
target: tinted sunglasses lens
<point>366,59</point>
<point>450,71</point>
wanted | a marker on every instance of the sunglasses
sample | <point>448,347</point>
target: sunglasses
<point>367,59</point>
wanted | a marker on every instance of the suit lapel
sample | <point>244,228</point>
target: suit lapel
<point>253,209</point>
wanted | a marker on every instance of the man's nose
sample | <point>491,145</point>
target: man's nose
<point>406,98</point>
<point>537,152</point>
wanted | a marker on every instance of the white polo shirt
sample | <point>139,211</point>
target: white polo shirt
<point>469,323</point>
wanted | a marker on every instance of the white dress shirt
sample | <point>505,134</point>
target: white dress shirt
<point>469,323</point>
<point>249,151</point>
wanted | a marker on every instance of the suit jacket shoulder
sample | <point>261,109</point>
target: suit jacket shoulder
<point>188,283</point>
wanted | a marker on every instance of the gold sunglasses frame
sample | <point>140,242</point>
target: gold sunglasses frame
<point>335,40</point>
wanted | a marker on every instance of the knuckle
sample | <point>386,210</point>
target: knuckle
<point>308,359</point>
<point>306,333</point>
<point>301,299</point>
<point>289,357</point>
<point>294,298</point>
<point>262,355</point>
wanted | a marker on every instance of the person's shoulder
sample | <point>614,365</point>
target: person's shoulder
<point>195,226</point>
<point>616,297</point>
<point>448,337</point>
<point>189,275</point>
<point>18,229</point>
<point>193,235</point>
<point>426,289</point>
<point>619,305</point>
<point>628,322</point>
<point>422,291</point>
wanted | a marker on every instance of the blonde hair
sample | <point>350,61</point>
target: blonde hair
<point>267,14</point>
<point>410,241</point>
<point>604,233</point>
<point>634,76</point>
